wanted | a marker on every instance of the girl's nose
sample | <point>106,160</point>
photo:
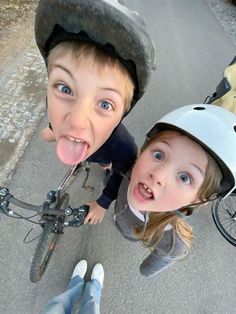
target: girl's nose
<point>160,175</point>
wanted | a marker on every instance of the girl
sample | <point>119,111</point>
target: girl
<point>186,160</point>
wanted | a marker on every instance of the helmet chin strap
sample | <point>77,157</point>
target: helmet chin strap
<point>186,211</point>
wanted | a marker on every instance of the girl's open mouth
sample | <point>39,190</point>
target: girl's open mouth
<point>145,191</point>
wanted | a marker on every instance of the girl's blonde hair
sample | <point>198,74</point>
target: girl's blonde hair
<point>152,233</point>
<point>86,52</point>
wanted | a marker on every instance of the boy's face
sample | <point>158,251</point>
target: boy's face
<point>84,106</point>
<point>168,174</point>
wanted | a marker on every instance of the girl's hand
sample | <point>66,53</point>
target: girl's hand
<point>96,213</point>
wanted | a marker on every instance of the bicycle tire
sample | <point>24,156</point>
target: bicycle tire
<point>46,245</point>
<point>222,212</point>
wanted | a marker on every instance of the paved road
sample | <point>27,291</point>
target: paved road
<point>192,50</point>
<point>22,82</point>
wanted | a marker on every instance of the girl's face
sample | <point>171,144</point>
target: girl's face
<point>168,174</point>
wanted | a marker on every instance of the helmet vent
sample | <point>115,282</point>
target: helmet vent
<point>234,128</point>
<point>199,108</point>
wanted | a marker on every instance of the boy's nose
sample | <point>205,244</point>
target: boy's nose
<point>80,115</point>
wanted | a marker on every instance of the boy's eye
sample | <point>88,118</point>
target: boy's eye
<point>64,89</point>
<point>185,178</point>
<point>158,155</point>
<point>106,105</point>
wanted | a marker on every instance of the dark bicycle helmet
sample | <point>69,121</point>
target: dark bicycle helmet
<point>107,24</point>
<point>214,128</point>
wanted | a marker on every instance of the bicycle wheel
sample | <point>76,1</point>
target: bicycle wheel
<point>47,244</point>
<point>223,213</point>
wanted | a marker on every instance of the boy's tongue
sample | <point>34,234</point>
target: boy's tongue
<point>71,152</point>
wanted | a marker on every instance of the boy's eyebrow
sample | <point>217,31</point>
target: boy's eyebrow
<point>112,89</point>
<point>56,65</point>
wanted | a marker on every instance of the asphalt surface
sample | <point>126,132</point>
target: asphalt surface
<point>192,51</point>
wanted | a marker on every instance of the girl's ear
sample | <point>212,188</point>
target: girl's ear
<point>199,203</point>
<point>204,204</point>
<point>184,212</point>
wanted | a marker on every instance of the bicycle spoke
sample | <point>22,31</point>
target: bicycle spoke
<point>223,213</point>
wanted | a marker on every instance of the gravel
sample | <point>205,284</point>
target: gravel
<point>225,12</point>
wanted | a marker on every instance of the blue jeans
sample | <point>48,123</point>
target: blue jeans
<point>90,294</point>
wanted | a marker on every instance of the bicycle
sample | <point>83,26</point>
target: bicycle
<point>55,214</point>
<point>224,210</point>
<point>224,216</point>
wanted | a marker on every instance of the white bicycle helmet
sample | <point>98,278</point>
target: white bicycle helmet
<point>214,128</point>
<point>107,24</point>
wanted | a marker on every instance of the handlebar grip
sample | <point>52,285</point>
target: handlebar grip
<point>79,215</point>
<point>3,192</point>
<point>82,210</point>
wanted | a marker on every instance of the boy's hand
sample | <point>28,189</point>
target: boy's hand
<point>96,213</point>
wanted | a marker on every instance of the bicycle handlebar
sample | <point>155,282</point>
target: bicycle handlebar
<point>6,198</point>
<point>78,213</point>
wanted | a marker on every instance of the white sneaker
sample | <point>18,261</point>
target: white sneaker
<point>98,273</point>
<point>80,269</point>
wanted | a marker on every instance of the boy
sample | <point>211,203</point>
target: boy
<point>95,78</point>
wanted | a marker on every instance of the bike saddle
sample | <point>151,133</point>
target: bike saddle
<point>225,94</point>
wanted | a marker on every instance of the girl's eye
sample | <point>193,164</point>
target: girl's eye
<point>159,155</point>
<point>185,178</point>
<point>64,89</point>
<point>105,105</point>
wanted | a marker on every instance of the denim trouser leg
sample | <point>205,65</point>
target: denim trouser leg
<point>63,303</point>
<point>90,301</point>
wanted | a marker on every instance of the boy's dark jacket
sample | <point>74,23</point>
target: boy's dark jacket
<point>121,150</point>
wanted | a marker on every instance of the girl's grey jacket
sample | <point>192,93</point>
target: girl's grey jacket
<point>170,248</point>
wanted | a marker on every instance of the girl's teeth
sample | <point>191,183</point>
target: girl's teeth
<point>145,191</point>
<point>147,188</point>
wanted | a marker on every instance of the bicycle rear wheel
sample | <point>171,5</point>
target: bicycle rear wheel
<point>47,244</point>
<point>223,213</point>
